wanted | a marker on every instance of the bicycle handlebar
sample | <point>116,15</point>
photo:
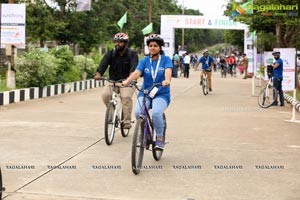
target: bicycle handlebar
<point>145,91</point>
<point>112,81</point>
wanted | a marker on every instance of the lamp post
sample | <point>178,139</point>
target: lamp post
<point>150,11</point>
<point>0,30</point>
<point>182,34</point>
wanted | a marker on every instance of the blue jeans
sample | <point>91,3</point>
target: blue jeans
<point>159,106</point>
<point>277,83</point>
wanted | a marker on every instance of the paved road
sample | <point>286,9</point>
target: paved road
<point>221,147</point>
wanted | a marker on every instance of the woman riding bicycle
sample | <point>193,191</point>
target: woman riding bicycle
<point>155,68</point>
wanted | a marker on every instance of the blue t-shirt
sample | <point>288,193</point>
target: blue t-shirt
<point>145,68</point>
<point>277,72</point>
<point>206,62</point>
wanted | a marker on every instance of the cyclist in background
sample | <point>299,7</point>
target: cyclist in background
<point>207,65</point>
<point>155,68</point>
<point>278,76</point>
<point>122,61</point>
<point>232,64</point>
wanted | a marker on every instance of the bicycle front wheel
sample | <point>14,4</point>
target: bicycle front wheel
<point>157,153</point>
<point>110,121</point>
<point>137,152</point>
<point>267,97</point>
<point>124,132</point>
<point>1,186</point>
<point>205,86</point>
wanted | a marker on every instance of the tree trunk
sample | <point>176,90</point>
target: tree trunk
<point>297,81</point>
<point>278,28</point>
<point>42,43</point>
<point>290,36</point>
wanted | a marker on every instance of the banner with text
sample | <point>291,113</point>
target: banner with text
<point>170,22</point>
<point>288,56</point>
<point>13,17</point>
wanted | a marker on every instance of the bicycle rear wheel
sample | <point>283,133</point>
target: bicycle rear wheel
<point>1,186</point>
<point>137,152</point>
<point>205,86</point>
<point>110,122</point>
<point>157,153</point>
<point>124,132</point>
<point>267,97</point>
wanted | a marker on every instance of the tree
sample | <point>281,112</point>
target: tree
<point>40,24</point>
<point>269,24</point>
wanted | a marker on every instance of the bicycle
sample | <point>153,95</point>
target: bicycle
<point>114,117</point>
<point>144,135</point>
<point>233,70</point>
<point>267,95</point>
<point>2,189</point>
<point>204,83</point>
<point>223,70</point>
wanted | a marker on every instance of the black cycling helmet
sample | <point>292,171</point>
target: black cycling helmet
<point>276,52</point>
<point>155,37</point>
<point>122,37</point>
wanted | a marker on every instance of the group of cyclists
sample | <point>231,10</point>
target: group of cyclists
<point>153,68</point>
<point>156,67</point>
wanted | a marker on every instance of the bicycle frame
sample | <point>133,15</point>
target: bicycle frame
<point>148,129</point>
<point>205,82</point>
<point>116,100</point>
<point>204,74</point>
<point>144,135</point>
<point>114,114</point>
<point>270,82</point>
<point>267,95</point>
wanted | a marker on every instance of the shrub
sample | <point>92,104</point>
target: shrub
<point>66,70</point>
<point>35,69</point>
<point>85,64</point>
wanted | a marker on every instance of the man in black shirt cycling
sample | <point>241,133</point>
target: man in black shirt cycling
<point>122,61</point>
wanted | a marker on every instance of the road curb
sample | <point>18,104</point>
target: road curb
<point>19,95</point>
<point>292,101</point>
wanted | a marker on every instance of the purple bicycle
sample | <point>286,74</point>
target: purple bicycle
<point>144,136</point>
<point>1,186</point>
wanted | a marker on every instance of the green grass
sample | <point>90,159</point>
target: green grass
<point>297,94</point>
<point>3,87</point>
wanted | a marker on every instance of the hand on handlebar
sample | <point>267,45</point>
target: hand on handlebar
<point>165,83</point>
<point>125,83</point>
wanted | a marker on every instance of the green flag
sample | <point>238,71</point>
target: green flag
<point>122,21</point>
<point>148,29</point>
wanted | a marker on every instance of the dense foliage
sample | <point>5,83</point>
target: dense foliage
<point>39,68</point>
<point>57,22</point>
<point>274,28</point>
<point>35,69</point>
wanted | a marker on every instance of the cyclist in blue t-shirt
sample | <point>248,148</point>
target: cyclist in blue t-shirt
<point>155,68</point>
<point>277,77</point>
<point>207,65</point>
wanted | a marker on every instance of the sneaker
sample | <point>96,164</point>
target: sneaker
<point>160,145</point>
<point>127,125</point>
